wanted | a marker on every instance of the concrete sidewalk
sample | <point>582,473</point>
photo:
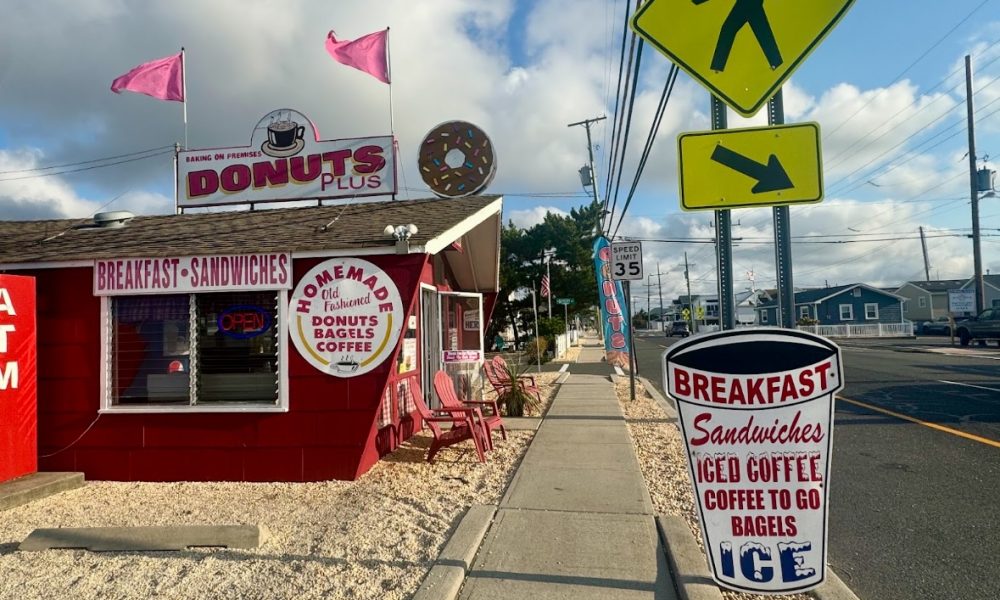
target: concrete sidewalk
<point>577,520</point>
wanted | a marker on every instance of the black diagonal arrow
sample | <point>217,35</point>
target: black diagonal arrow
<point>770,177</point>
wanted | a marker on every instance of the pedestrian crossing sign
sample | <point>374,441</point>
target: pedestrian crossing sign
<point>741,50</point>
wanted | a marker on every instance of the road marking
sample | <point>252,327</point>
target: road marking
<point>956,432</point>
<point>564,367</point>
<point>978,387</point>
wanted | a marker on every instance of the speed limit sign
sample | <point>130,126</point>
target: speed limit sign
<point>626,260</point>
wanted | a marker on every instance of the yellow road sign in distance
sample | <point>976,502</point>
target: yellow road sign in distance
<point>741,50</point>
<point>759,166</point>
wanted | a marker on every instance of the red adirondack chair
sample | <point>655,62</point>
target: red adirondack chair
<point>445,389</point>
<point>502,373</point>
<point>461,419</point>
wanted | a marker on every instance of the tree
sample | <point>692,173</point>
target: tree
<point>522,265</point>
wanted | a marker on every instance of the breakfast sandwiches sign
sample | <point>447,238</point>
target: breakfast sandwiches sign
<point>286,160</point>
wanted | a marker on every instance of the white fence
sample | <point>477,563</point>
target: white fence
<point>870,330</point>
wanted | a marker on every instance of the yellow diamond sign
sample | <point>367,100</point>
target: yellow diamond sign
<point>758,166</point>
<point>741,50</point>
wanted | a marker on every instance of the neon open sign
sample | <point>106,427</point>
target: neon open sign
<point>244,322</point>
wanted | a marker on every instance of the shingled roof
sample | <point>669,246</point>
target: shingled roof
<point>316,228</point>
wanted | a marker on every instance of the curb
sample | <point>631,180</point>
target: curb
<point>833,589</point>
<point>444,580</point>
<point>687,561</point>
<point>658,398</point>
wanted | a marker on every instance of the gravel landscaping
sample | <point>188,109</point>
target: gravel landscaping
<point>372,538</point>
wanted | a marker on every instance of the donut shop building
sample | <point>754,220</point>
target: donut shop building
<point>264,345</point>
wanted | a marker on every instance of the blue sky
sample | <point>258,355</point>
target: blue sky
<point>522,70</point>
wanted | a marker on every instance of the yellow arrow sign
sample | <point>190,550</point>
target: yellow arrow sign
<point>759,166</point>
<point>741,50</point>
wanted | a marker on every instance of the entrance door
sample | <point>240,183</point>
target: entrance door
<point>430,343</point>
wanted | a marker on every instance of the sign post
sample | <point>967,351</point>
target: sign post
<point>626,265</point>
<point>565,304</point>
<point>756,412</point>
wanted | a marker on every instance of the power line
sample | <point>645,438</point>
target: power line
<point>628,129</point>
<point>616,116</point>
<point>84,162</point>
<point>90,168</point>
<point>668,88</point>
<point>907,69</point>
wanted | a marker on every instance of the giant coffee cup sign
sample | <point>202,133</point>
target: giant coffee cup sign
<point>756,412</point>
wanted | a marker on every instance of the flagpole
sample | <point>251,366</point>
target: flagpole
<point>184,87</point>
<point>392,127</point>
<point>388,63</point>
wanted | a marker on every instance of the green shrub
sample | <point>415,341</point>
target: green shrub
<point>535,350</point>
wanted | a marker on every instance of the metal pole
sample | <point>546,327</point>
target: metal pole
<point>927,264</point>
<point>647,301</point>
<point>566,319</point>
<point>782,235</point>
<point>724,241</point>
<point>659,282</point>
<point>534,307</point>
<point>977,256</point>
<point>184,91</point>
<point>631,341</point>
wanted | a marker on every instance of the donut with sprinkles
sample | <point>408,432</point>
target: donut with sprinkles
<point>456,159</point>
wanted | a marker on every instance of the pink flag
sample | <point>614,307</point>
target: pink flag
<point>162,79</point>
<point>366,53</point>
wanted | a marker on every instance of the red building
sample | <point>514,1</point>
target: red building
<point>272,345</point>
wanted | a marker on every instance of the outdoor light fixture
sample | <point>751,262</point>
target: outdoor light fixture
<point>402,235</point>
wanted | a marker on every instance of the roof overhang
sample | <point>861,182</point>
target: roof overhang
<point>472,248</point>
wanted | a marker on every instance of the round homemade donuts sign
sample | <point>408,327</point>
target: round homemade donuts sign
<point>345,316</point>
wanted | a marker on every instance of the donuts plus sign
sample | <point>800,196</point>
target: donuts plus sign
<point>456,159</point>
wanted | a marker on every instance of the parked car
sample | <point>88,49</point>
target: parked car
<point>678,328</point>
<point>985,326</point>
<point>939,326</point>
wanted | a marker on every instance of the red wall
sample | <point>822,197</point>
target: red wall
<point>328,433</point>
<point>18,413</point>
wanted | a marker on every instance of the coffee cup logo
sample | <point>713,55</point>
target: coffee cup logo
<point>284,138</point>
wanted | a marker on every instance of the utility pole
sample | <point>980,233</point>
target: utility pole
<point>927,263</point>
<point>977,257</point>
<point>648,307</point>
<point>593,173</point>
<point>687,280</point>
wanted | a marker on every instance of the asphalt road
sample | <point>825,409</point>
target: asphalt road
<point>913,509</point>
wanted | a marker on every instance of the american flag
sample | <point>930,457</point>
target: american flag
<point>546,292</point>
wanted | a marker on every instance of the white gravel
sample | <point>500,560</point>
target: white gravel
<point>372,538</point>
<point>660,450</point>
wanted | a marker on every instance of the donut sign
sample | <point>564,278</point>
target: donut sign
<point>456,159</point>
<point>345,317</point>
<point>755,408</point>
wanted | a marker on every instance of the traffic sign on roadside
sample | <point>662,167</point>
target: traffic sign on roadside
<point>759,166</point>
<point>565,301</point>
<point>742,51</point>
<point>626,260</point>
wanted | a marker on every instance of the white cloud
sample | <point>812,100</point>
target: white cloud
<point>526,219</point>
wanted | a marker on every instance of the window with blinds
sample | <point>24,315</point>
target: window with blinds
<point>213,349</point>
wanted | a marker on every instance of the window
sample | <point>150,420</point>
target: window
<point>857,292</point>
<point>214,351</point>
<point>803,312</point>
<point>995,303</point>
<point>922,302</point>
<point>846,312</point>
<point>871,311</point>
<point>763,316</point>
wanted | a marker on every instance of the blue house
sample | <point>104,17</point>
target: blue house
<point>853,304</point>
